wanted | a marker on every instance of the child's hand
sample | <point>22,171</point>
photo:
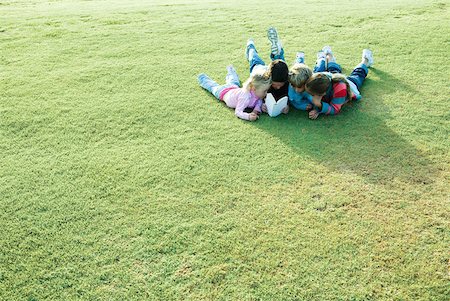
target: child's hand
<point>253,116</point>
<point>285,110</point>
<point>264,108</point>
<point>309,107</point>
<point>313,114</point>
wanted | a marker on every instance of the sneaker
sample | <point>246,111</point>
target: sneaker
<point>231,70</point>
<point>202,77</point>
<point>250,45</point>
<point>275,48</point>
<point>367,54</point>
<point>327,50</point>
<point>232,76</point>
<point>300,57</point>
<point>321,55</point>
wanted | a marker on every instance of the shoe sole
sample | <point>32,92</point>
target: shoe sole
<point>369,59</point>
<point>272,34</point>
<point>247,49</point>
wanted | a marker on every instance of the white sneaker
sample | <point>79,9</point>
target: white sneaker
<point>367,54</point>
<point>300,57</point>
<point>250,45</point>
<point>272,34</point>
<point>321,55</point>
<point>327,50</point>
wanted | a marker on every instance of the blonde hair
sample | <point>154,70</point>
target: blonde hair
<point>257,80</point>
<point>299,75</point>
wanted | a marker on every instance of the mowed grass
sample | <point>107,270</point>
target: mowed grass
<point>121,179</point>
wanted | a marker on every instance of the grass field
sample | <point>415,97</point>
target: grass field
<point>121,179</point>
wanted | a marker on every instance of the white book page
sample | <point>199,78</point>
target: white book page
<point>274,108</point>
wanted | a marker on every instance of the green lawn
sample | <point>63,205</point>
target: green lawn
<point>121,179</point>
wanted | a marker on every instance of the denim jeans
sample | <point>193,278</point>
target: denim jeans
<point>356,78</point>
<point>321,66</point>
<point>254,59</point>
<point>214,88</point>
<point>358,75</point>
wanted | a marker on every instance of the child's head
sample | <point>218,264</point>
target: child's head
<point>279,71</point>
<point>259,83</point>
<point>298,76</point>
<point>319,83</point>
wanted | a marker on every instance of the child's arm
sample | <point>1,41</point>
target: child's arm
<point>256,110</point>
<point>338,100</point>
<point>241,106</point>
<point>301,105</point>
<point>258,106</point>
<point>333,108</point>
<point>300,101</point>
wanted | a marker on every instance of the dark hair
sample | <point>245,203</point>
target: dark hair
<point>279,71</point>
<point>319,83</point>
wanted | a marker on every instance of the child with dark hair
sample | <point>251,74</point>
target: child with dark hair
<point>329,88</point>
<point>277,69</point>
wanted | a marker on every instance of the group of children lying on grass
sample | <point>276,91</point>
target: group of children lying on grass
<point>323,90</point>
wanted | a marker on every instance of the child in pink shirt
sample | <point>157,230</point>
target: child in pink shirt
<point>248,97</point>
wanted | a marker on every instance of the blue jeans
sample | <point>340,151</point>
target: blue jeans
<point>254,59</point>
<point>321,66</point>
<point>358,75</point>
<point>232,80</point>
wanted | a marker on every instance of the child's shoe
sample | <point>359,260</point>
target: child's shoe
<point>232,76</point>
<point>231,70</point>
<point>250,45</point>
<point>202,79</point>
<point>367,54</point>
<point>275,48</point>
<point>327,50</point>
<point>300,57</point>
<point>321,55</point>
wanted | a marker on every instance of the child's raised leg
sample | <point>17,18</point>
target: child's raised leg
<point>207,83</point>
<point>232,77</point>
<point>358,75</point>
<point>360,72</point>
<point>276,48</point>
<point>331,64</point>
<point>252,55</point>
<point>300,57</point>
<point>321,62</point>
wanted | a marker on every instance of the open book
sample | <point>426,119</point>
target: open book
<point>274,108</point>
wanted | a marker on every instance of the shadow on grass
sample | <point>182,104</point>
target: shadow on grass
<point>355,141</point>
<point>379,81</point>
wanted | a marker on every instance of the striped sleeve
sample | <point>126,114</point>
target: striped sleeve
<point>339,98</point>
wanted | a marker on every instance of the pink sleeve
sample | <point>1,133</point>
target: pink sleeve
<point>241,106</point>
<point>258,105</point>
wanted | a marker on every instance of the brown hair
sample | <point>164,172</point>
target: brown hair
<point>319,83</point>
